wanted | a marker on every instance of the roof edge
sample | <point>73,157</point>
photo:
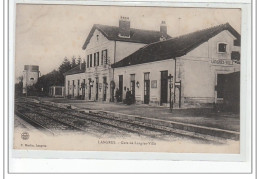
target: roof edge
<point>225,26</point>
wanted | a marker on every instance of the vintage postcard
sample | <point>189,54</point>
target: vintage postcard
<point>127,79</point>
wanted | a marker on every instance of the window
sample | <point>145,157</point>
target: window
<point>97,58</point>
<point>104,57</point>
<point>94,59</point>
<point>222,47</point>
<point>132,77</point>
<point>31,79</point>
<point>90,60</point>
<point>97,37</point>
<point>146,76</point>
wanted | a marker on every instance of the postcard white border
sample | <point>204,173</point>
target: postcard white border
<point>245,144</point>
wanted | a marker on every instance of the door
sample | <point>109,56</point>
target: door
<point>83,88</point>
<point>120,88</point>
<point>104,88</point>
<point>146,88</point>
<point>78,88</point>
<point>96,88</point>
<point>68,88</point>
<point>73,86</point>
<point>164,86</point>
<point>220,85</point>
<point>132,86</point>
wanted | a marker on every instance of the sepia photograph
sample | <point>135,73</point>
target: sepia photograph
<point>127,79</point>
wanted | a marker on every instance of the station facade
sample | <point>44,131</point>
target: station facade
<point>156,68</point>
<point>104,46</point>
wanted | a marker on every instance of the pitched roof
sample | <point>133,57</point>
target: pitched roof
<point>136,35</point>
<point>75,70</point>
<point>174,47</point>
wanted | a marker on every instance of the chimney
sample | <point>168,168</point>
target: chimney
<point>124,27</point>
<point>163,30</point>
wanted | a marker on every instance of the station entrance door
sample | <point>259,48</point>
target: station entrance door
<point>164,86</point>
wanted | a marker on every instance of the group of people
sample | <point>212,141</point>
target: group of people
<point>129,99</point>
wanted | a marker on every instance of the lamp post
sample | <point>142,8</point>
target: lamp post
<point>170,77</point>
<point>178,85</point>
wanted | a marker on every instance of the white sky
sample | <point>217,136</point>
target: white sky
<point>45,34</point>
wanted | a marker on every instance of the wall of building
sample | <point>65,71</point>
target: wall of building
<point>101,71</point>
<point>154,69</point>
<point>102,87</point>
<point>99,44</point>
<point>197,71</point>
<point>30,76</point>
<point>209,49</point>
<point>201,66</point>
<point>77,91</point>
<point>123,49</point>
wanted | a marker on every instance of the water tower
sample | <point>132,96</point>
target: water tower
<point>30,76</point>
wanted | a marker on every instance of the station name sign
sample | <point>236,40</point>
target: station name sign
<point>222,62</point>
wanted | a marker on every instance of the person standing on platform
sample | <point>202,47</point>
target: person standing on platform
<point>117,95</point>
<point>128,97</point>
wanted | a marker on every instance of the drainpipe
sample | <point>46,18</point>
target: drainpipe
<point>114,58</point>
<point>174,99</point>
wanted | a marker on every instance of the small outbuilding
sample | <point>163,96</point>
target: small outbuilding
<point>56,91</point>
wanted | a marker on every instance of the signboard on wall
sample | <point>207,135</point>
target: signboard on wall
<point>222,62</point>
<point>154,84</point>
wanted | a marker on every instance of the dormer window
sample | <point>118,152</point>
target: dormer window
<point>222,48</point>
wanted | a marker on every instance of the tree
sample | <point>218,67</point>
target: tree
<point>73,62</point>
<point>79,60</point>
<point>65,66</point>
<point>19,87</point>
<point>50,79</point>
<point>55,77</point>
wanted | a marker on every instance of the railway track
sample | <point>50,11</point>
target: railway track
<point>43,122</point>
<point>83,120</point>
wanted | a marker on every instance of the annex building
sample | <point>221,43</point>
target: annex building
<point>187,69</point>
<point>155,67</point>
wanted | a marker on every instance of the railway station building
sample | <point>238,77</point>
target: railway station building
<point>156,68</point>
<point>104,46</point>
